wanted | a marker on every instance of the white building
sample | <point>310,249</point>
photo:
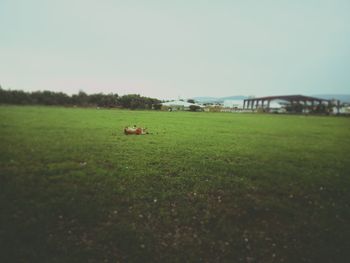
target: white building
<point>179,105</point>
<point>278,106</point>
<point>234,104</point>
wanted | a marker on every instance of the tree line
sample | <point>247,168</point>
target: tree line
<point>82,99</point>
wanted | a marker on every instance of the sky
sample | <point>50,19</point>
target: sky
<point>176,49</point>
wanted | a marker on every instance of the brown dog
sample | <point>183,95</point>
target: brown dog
<point>135,130</point>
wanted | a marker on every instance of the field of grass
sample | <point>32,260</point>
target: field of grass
<point>202,187</point>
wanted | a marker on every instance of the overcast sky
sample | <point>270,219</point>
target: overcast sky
<point>171,49</point>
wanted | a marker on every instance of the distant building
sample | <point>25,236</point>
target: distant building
<point>178,105</point>
<point>213,108</point>
<point>291,103</point>
<point>278,106</point>
<point>343,109</point>
<point>233,104</point>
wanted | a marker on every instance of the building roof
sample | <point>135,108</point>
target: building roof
<point>288,98</point>
<point>179,103</point>
<point>233,103</point>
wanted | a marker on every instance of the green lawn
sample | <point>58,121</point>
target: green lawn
<point>202,187</point>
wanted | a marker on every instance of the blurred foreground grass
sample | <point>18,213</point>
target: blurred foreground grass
<point>202,187</point>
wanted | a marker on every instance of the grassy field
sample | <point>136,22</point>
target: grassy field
<point>202,187</point>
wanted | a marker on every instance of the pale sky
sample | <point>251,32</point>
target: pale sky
<point>171,49</point>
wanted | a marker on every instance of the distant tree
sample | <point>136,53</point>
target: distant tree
<point>81,99</point>
<point>157,106</point>
<point>135,101</point>
<point>62,99</point>
<point>194,108</point>
<point>131,101</point>
<point>96,99</point>
<point>18,97</point>
<point>108,101</point>
<point>190,101</point>
<point>5,96</point>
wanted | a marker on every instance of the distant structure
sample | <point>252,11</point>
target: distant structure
<point>178,105</point>
<point>235,104</point>
<point>264,102</point>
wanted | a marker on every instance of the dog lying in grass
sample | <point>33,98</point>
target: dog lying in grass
<point>135,130</point>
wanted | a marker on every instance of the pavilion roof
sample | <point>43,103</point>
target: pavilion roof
<point>288,98</point>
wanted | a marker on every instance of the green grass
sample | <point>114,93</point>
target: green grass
<point>202,187</point>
